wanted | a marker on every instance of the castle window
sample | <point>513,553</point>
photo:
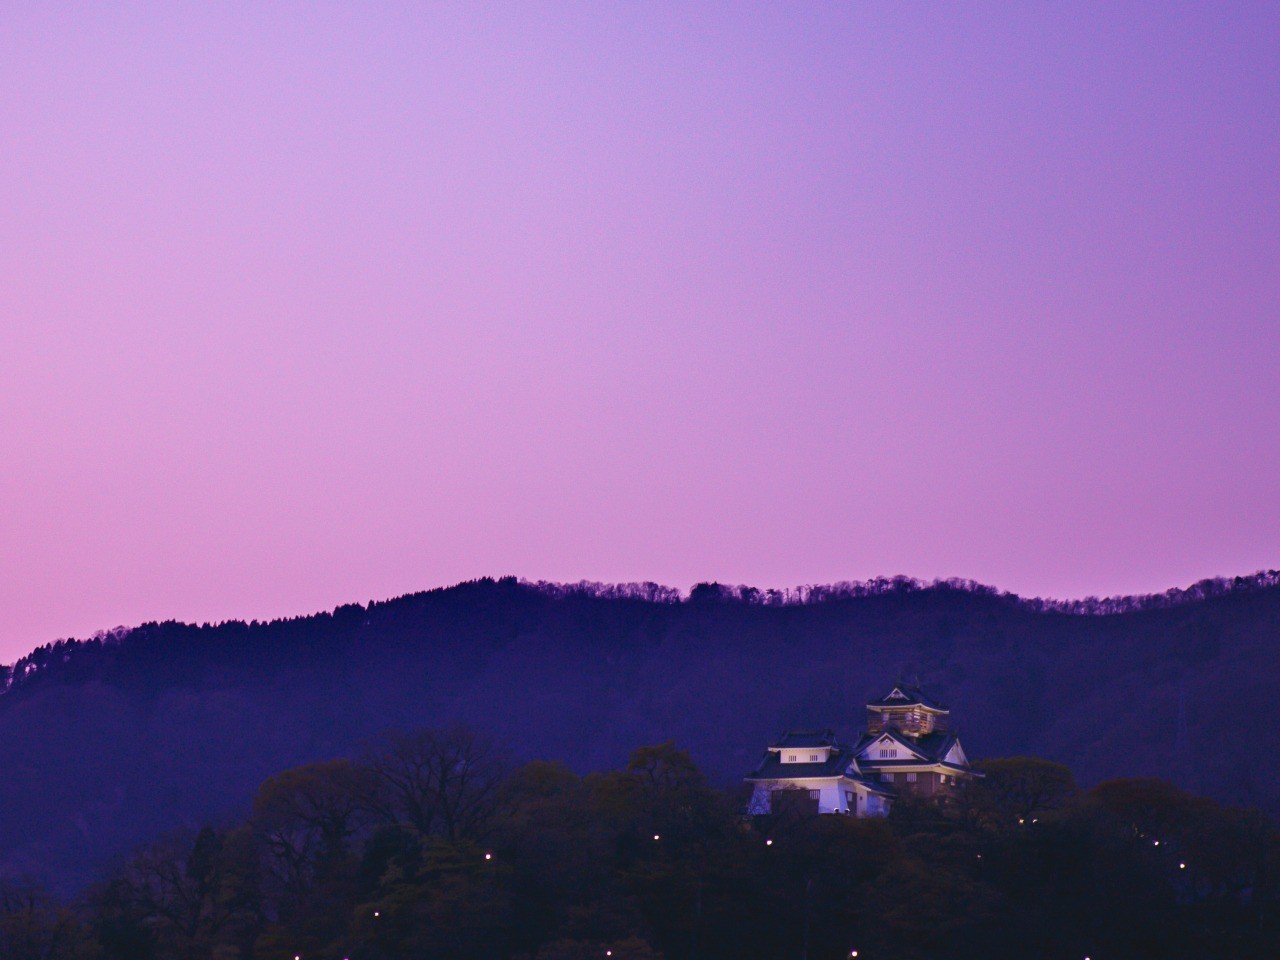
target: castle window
<point>813,758</point>
<point>911,778</point>
<point>791,758</point>
<point>814,794</point>
<point>887,777</point>
<point>888,753</point>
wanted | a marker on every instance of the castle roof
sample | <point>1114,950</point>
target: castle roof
<point>837,764</point>
<point>932,747</point>
<point>907,696</point>
<point>771,768</point>
<point>805,738</point>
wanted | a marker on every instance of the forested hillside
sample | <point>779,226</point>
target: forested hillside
<point>116,739</point>
<point>431,846</point>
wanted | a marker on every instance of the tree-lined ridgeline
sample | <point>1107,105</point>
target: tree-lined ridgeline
<point>65,651</point>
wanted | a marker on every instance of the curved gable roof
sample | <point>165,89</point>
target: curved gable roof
<point>907,696</point>
<point>932,747</point>
<point>869,740</point>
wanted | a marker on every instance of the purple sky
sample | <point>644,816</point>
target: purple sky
<point>305,303</point>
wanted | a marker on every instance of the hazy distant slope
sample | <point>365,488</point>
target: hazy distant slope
<point>111,741</point>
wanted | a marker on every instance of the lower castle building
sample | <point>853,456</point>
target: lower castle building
<point>907,749</point>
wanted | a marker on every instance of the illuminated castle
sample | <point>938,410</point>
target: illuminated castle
<point>908,749</point>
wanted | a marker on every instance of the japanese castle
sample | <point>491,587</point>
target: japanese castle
<point>906,750</point>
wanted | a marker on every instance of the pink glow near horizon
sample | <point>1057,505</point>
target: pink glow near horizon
<point>311,303</point>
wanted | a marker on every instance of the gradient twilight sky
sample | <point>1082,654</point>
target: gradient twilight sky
<point>305,303</point>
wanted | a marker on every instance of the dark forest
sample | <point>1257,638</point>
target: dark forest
<point>430,845</point>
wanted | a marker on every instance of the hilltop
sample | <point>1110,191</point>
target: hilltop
<point>114,739</point>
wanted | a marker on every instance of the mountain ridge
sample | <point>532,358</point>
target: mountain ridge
<point>114,739</point>
<point>1202,589</point>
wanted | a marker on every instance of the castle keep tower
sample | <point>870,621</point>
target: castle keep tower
<point>908,710</point>
<point>910,745</point>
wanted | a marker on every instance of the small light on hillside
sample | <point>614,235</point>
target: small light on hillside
<point>488,856</point>
<point>768,843</point>
<point>1182,866</point>
<point>1156,844</point>
<point>656,837</point>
